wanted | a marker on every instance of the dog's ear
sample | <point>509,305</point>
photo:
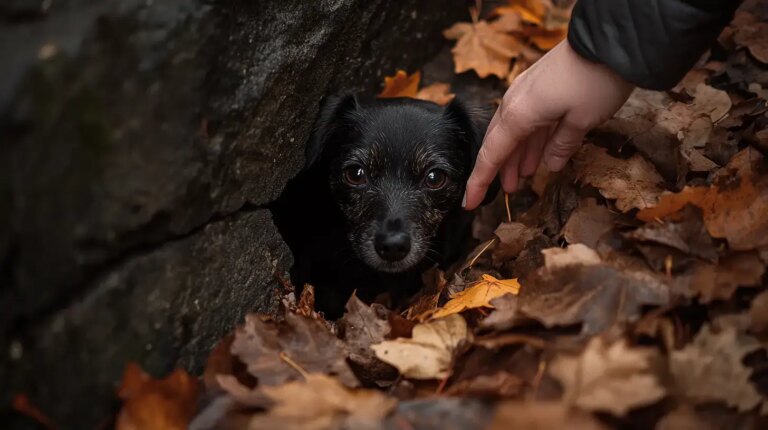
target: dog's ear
<point>472,124</point>
<point>333,113</point>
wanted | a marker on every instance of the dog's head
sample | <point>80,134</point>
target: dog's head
<point>396,167</point>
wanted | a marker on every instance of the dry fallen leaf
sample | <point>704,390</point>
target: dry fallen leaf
<point>512,239</point>
<point>634,182</point>
<point>687,235</point>
<point>260,345</point>
<point>576,287</point>
<point>752,34</point>
<point>735,210</point>
<point>401,85</point>
<point>362,326</point>
<point>609,378</point>
<point>587,223</point>
<point>156,404</point>
<point>479,295</point>
<point>711,369</point>
<point>758,313</point>
<point>541,416</point>
<point>429,353</point>
<point>482,48</point>
<point>320,402</point>
<point>439,93</point>
<point>719,281</point>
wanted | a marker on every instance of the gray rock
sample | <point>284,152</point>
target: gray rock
<point>163,309</point>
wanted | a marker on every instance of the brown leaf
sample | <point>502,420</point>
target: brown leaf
<point>683,418</point>
<point>688,235</point>
<point>362,327</point>
<point>587,223</point>
<point>752,34</point>
<point>400,85</point>
<point>320,403</point>
<point>157,404</point>
<point>429,353</point>
<point>481,48</point>
<point>611,378</point>
<point>736,211</point>
<point>711,369</point>
<point>438,92</point>
<point>307,342</point>
<point>719,281</point>
<point>512,239</point>
<point>576,287</point>
<point>634,183</point>
<point>758,313</point>
<point>541,416</point>
<point>498,384</point>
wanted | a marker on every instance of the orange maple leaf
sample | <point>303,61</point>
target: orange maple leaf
<point>401,85</point>
<point>156,404</point>
<point>479,295</point>
<point>438,92</point>
<point>482,48</point>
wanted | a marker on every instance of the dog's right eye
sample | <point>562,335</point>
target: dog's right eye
<point>354,175</point>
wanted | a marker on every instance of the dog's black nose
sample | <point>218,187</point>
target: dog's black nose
<point>392,246</point>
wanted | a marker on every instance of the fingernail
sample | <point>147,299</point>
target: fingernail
<point>464,200</point>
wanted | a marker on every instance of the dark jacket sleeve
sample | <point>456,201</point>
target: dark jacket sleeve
<point>651,43</point>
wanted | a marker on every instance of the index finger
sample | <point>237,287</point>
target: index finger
<point>504,135</point>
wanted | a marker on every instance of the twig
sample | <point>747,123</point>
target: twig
<point>474,259</point>
<point>290,362</point>
<point>506,202</point>
<point>539,376</point>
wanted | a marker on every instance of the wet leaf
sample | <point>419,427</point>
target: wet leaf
<point>711,369</point>
<point>429,353</point>
<point>478,295</point>
<point>611,378</point>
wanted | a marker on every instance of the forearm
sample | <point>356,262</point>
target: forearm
<point>651,43</point>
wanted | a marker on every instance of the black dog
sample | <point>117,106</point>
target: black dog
<point>380,197</point>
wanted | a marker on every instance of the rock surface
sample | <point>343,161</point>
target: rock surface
<point>141,142</point>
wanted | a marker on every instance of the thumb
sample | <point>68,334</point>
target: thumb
<point>564,142</point>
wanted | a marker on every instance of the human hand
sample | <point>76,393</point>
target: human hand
<point>545,112</point>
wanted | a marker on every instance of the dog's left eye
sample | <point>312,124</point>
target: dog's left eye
<point>435,179</point>
<point>354,175</point>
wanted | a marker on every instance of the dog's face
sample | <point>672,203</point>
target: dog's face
<point>395,167</point>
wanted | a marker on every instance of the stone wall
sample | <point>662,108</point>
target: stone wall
<point>141,142</point>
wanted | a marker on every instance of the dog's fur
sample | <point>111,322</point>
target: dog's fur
<point>335,227</point>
